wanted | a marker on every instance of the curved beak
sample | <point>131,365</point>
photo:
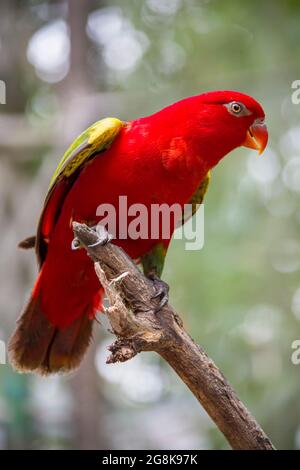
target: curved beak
<point>257,136</point>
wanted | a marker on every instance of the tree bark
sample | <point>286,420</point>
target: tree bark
<point>138,328</point>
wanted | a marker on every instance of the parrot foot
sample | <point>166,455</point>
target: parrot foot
<point>162,291</point>
<point>103,236</point>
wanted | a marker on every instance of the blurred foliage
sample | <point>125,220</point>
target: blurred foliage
<point>239,296</point>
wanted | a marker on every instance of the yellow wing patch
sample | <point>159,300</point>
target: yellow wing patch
<point>89,144</point>
<point>95,139</point>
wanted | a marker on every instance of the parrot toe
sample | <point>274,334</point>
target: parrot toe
<point>162,291</point>
<point>103,236</point>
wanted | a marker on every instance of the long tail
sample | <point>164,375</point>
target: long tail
<point>38,346</point>
<point>45,346</point>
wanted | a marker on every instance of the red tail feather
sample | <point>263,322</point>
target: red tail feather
<point>55,328</point>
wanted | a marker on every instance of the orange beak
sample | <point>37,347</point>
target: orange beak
<point>257,136</point>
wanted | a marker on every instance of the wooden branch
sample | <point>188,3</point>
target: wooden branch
<point>138,328</point>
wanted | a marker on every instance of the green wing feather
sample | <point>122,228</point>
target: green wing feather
<point>97,138</point>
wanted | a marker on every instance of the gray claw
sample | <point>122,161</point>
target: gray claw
<point>162,292</point>
<point>162,303</point>
<point>75,245</point>
<point>100,242</point>
<point>104,236</point>
<point>140,308</point>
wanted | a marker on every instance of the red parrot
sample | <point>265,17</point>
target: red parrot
<point>162,158</point>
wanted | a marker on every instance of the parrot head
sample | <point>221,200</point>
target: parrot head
<point>233,119</point>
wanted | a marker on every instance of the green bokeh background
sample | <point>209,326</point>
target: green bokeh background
<point>239,296</point>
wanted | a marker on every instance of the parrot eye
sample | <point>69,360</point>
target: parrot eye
<point>237,109</point>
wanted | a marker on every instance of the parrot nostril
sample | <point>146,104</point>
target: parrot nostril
<point>259,121</point>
